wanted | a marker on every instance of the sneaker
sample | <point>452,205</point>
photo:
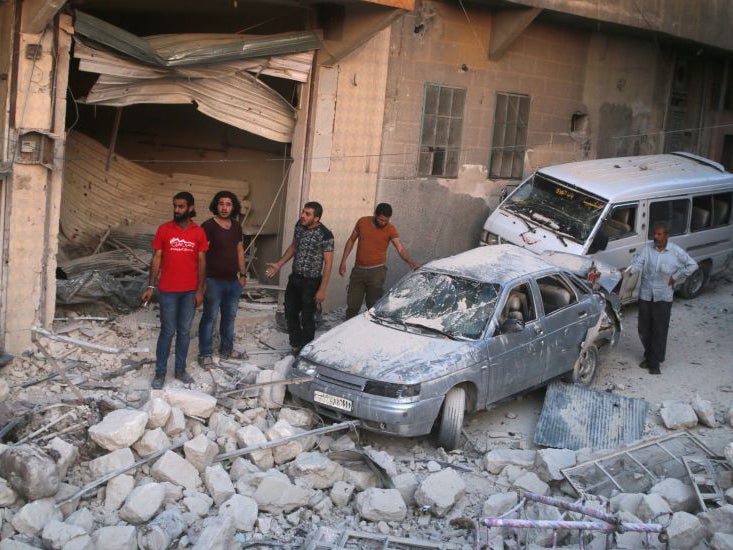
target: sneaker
<point>655,370</point>
<point>158,382</point>
<point>236,355</point>
<point>206,362</point>
<point>184,377</point>
<point>644,364</point>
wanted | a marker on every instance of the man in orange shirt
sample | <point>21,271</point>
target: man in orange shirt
<point>374,234</point>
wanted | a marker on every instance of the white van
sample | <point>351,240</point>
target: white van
<point>606,209</point>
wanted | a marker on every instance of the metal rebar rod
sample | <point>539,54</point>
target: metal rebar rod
<point>573,507</point>
<point>85,344</point>
<point>623,527</point>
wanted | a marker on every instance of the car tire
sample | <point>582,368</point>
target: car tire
<point>451,419</point>
<point>586,367</point>
<point>693,285</point>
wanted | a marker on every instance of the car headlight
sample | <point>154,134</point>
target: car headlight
<point>305,367</point>
<point>388,389</point>
<point>489,238</point>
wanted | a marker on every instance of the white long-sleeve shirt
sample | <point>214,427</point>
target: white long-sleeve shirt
<point>657,267</point>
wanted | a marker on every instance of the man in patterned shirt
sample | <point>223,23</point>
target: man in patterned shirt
<point>312,249</point>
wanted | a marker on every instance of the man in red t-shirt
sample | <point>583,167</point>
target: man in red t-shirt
<point>180,259</point>
<point>374,234</point>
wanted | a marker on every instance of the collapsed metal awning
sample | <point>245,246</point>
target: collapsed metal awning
<point>216,72</point>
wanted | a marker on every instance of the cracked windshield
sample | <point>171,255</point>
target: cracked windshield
<point>567,211</point>
<point>439,303</point>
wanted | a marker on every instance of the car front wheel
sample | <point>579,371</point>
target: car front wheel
<point>451,419</point>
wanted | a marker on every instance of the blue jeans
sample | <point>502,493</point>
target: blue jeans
<point>176,314</point>
<point>221,296</point>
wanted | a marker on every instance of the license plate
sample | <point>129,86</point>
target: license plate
<point>332,401</point>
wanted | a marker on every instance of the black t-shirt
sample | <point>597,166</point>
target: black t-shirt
<point>222,261</point>
<point>310,244</point>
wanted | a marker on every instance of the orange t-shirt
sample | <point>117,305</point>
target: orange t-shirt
<point>371,250</point>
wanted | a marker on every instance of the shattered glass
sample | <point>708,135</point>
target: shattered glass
<point>564,210</point>
<point>439,303</point>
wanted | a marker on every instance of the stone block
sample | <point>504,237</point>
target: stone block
<point>103,465</point>
<point>315,470</point>
<point>67,455</point>
<point>143,503</point>
<point>34,516</point>
<point>200,451</point>
<point>152,441</point>
<point>654,509</point>
<point>341,493</point>
<point>171,467</point>
<point>218,484</point>
<point>287,451</point>
<point>218,534</point>
<point>276,495</point>
<point>381,505</point>
<point>82,518</point>
<point>57,533</point>
<point>440,491</point>
<point>704,411</point>
<point>362,477</point>
<point>119,429</point>
<point>242,466</point>
<point>531,483</point>
<point>115,537</point>
<point>198,503</point>
<point>83,542</point>
<point>67,490</point>
<point>243,511</point>
<point>677,415</point>
<point>728,453</point>
<point>497,459</point>
<point>159,533</point>
<point>679,494</point>
<point>117,491</point>
<point>223,424</point>
<point>722,541</point>
<point>406,484</point>
<point>252,435</point>
<point>685,531</point>
<point>191,402</point>
<point>272,396</point>
<point>7,494</point>
<point>626,502</point>
<point>549,462</point>
<point>718,520</point>
<point>158,410</point>
<point>29,471</point>
<point>176,423</point>
<point>500,503</point>
<point>298,418</point>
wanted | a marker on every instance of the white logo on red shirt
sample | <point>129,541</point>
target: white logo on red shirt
<point>181,245</point>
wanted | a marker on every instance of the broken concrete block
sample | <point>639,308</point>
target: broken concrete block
<point>84,542</point>
<point>32,517</point>
<point>549,462</point>
<point>218,483</point>
<point>158,410</point>
<point>730,417</point>
<point>531,483</point>
<point>252,435</point>
<point>7,494</point>
<point>298,418</point>
<point>200,451</point>
<point>176,423</point>
<point>718,520</point>
<point>143,503</point>
<point>119,429</point>
<point>728,453</point>
<point>704,411</point>
<point>218,533</point>
<point>341,493</point>
<point>159,533</point>
<point>57,533</point>
<point>67,455</point>
<point>381,505</point>
<point>654,509</point>
<point>343,443</point>
<point>242,466</point>
<point>497,459</point>
<point>362,477</point>
<point>10,544</point>
<point>276,495</point>
<point>287,451</point>
<point>115,538</point>
<point>103,465</point>
<point>117,491</point>
<point>626,502</point>
<point>315,470</point>
<point>198,503</point>
<point>679,495</point>
<point>82,518</point>
<point>191,402</point>
<point>171,467</point>
<point>29,471</point>
<point>152,441</point>
<point>66,490</point>
<point>722,541</point>
<point>243,511</point>
<point>173,492</point>
<point>728,495</point>
<point>685,531</point>
<point>406,484</point>
<point>223,424</point>
<point>4,389</point>
<point>500,503</point>
<point>272,396</point>
<point>677,415</point>
<point>440,491</point>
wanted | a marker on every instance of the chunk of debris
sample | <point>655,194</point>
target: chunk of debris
<point>406,483</point>
<point>200,451</point>
<point>218,532</point>
<point>171,467</point>
<point>158,410</point>
<point>497,459</point>
<point>653,508</point>
<point>56,534</point>
<point>500,503</point>
<point>381,505</point>
<point>272,396</point>
<point>677,415</point>
<point>298,418</point>
<point>549,462</point>
<point>341,493</point>
<point>7,494</point>
<point>152,441</point>
<point>143,503</point>
<point>243,511</point>
<point>218,483</point>
<point>440,491</point>
<point>685,531</point>
<point>704,411</point>
<point>678,494</point>
<point>531,483</point>
<point>719,520</point>
<point>191,402</point>
<point>29,471</point>
<point>277,495</point>
<point>67,455</point>
<point>117,490</point>
<point>252,435</point>
<point>315,470</point>
<point>176,423</point>
<point>116,537</point>
<point>722,541</point>
<point>103,465</point>
<point>34,516</point>
<point>119,429</point>
<point>159,533</point>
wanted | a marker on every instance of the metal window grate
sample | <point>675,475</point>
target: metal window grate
<point>509,142</point>
<point>442,126</point>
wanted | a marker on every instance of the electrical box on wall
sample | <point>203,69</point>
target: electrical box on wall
<point>35,148</point>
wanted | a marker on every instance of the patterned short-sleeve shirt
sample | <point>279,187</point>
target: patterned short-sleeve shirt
<point>310,244</point>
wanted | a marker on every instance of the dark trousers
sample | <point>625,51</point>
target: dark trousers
<point>300,309</point>
<point>176,314</point>
<point>364,284</point>
<point>653,328</point>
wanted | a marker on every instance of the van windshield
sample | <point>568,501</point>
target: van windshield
<point>563,210</point>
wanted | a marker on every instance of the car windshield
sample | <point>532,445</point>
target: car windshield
<point>440,303</point>
<point>561,209</point>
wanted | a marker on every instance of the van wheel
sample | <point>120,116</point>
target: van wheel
<point>694,284</point>
<point>586,367</point>
<point>451,419</point>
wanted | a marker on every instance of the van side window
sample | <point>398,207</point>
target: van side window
<point>556,294</point>
<point>701,216</point>
<point>673,212</point>
<point>519,305</point>
<point>621,223</point>
<point>721,208</point>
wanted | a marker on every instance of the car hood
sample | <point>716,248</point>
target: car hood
<point>367,349</point>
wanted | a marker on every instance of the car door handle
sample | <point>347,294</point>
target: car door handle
<point>632,250</point>
<point>538,330</point>
<point>582,314</point>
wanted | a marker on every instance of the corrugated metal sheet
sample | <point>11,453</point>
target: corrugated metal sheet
<point>576,417</point>
<point>95,200</point>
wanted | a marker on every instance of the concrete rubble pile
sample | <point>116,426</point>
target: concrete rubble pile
<point>87,481</point>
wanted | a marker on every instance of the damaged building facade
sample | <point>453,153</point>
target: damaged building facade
<point>109,108</point>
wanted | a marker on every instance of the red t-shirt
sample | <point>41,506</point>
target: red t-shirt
<point>181,247</point>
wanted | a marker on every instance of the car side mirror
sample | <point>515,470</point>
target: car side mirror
<point>512,325</point>
<point>600,242</point>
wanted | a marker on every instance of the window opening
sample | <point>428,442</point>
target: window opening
<point>442,126</point>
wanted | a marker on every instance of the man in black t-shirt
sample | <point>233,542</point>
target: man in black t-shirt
<point>312,249</point>
<point>225,277</point>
